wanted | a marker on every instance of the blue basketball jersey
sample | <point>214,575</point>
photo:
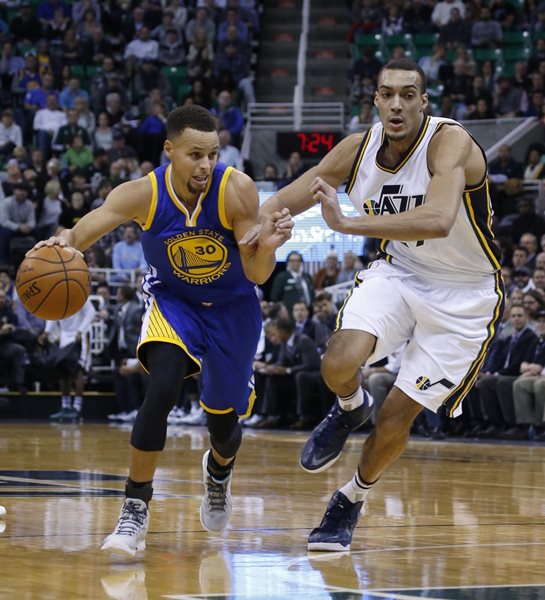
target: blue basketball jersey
<point>193,256</point>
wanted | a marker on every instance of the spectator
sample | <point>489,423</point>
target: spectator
<point>172,49</point>
<point>161,31</point>
<point>392,23</point>
<point>432,64</point>
<point>527,221</point>
<point>12,354</point>
<point>49,210</point>
<point>294,169</point>
<point>495,385</point>
<point>28,78</point>
<point>365,117</point>
<point>229,116</point>
<point>10,63</point>
<point>327,275</point>
<point>67,133</point>
<point>103,136</point>
<point>529,241</point>
<point>96,46</point>
<point>119,148</point>
<point>457,31</point>
<point>442,11</point>
<point>148,77</point>
<point>486,32</point>
<point>325,310</point>
<point>298,354</point>
<point>72,213</point>
<point>47,121</point>
<point>153,133</point>
<point>10,134</point>
<point>293,285</point>
<point>508,100</point>
<point>232,20</point>
<point>72,359</point>
<point>200,57</point>
<point>25,27</point>
<point>69,94</point>
<point>351,265</point>
<point>78,156</point>
<point>228,154</point>
<point>18,220</point>
<point>366,66</point>
<point>528,391</point>
<point>535,168</point>
<point>86,118</point>
<point>417,17</point>
<point>128,253</point>
<point>140,48</point>
<point>201,22</point>
<point>235,60</point>
<point>505,174</point>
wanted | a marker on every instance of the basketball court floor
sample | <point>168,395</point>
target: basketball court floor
<point>451,520</point>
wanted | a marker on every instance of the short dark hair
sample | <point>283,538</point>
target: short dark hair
<point>286,325</point>
<point>189,117</point>
<point>406,64</point>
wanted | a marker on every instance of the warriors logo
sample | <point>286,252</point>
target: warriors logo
<point>198,259</point>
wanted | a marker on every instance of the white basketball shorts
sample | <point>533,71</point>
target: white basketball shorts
<point>448,330</point>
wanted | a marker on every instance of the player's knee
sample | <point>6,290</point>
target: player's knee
<point>225,433</point>
<point>226,444</point>
<point>337,368</point>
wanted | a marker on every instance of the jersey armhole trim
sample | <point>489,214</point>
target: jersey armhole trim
<point>473,187</point>
<point>221,199</point>
<point>357,161</point>
<point>153,204</point>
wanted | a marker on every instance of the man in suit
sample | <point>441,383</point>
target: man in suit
<point>495,385</point>
<point>298,355</point>
<point>293,285</point>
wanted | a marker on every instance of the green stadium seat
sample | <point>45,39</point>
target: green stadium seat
<point>513,54</point>
<point>421,51</point>
<point>516,38</point>
<point>362,40</point>
<point>176,75</point>
<point>482,54</point>
<point>405,40</point>
<point>79,71</point>
<point>425,39</point>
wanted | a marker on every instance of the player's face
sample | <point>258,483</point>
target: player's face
<point>194,155</point>
<point>400,103</point>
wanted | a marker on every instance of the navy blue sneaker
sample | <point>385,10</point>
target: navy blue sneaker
<point>337,526</point>
<point>327,440</point>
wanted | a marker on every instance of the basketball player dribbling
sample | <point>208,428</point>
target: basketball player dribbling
<point>202,310</point>
<point>420,185</point>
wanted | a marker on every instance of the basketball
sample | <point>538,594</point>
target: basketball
<point>53,282</point>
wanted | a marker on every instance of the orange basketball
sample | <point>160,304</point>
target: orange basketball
<point>53,282</point>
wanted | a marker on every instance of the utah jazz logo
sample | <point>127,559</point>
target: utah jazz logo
<point>198,259</point>
<point>392,201</point>
<point>423,383</point>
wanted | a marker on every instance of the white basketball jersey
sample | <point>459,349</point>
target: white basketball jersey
<point>468,254</point>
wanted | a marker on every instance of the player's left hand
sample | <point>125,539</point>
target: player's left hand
<point>326,195</point>
<point>276,230</point>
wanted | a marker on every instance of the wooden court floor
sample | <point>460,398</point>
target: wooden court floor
<point>449,521</point>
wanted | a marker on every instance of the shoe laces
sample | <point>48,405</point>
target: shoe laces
<point>216,493</point>
<point>340,512</point>
<point>132,518</point>
<point>334,418</point>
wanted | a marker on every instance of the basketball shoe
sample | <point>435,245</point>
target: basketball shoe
<point>327,440</point>
<point>130,534</point>
<point>217,504</point>
<point>335,531</point>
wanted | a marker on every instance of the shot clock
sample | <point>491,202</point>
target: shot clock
<point>309,144</point>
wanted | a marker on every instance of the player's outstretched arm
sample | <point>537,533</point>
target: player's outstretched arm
<point>129,201</point>
<point>449,153</point>
<point>242,202</point>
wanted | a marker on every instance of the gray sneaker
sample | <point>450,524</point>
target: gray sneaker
<point>217,504</point>
<point>130,534</point>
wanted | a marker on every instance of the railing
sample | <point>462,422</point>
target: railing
<point>299,89</point>
<point>284,116</point>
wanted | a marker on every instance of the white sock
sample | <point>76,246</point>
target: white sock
<point>353,401</point>
<point>356,490</point>
<point>66,402</point>
<point>78,403</point>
